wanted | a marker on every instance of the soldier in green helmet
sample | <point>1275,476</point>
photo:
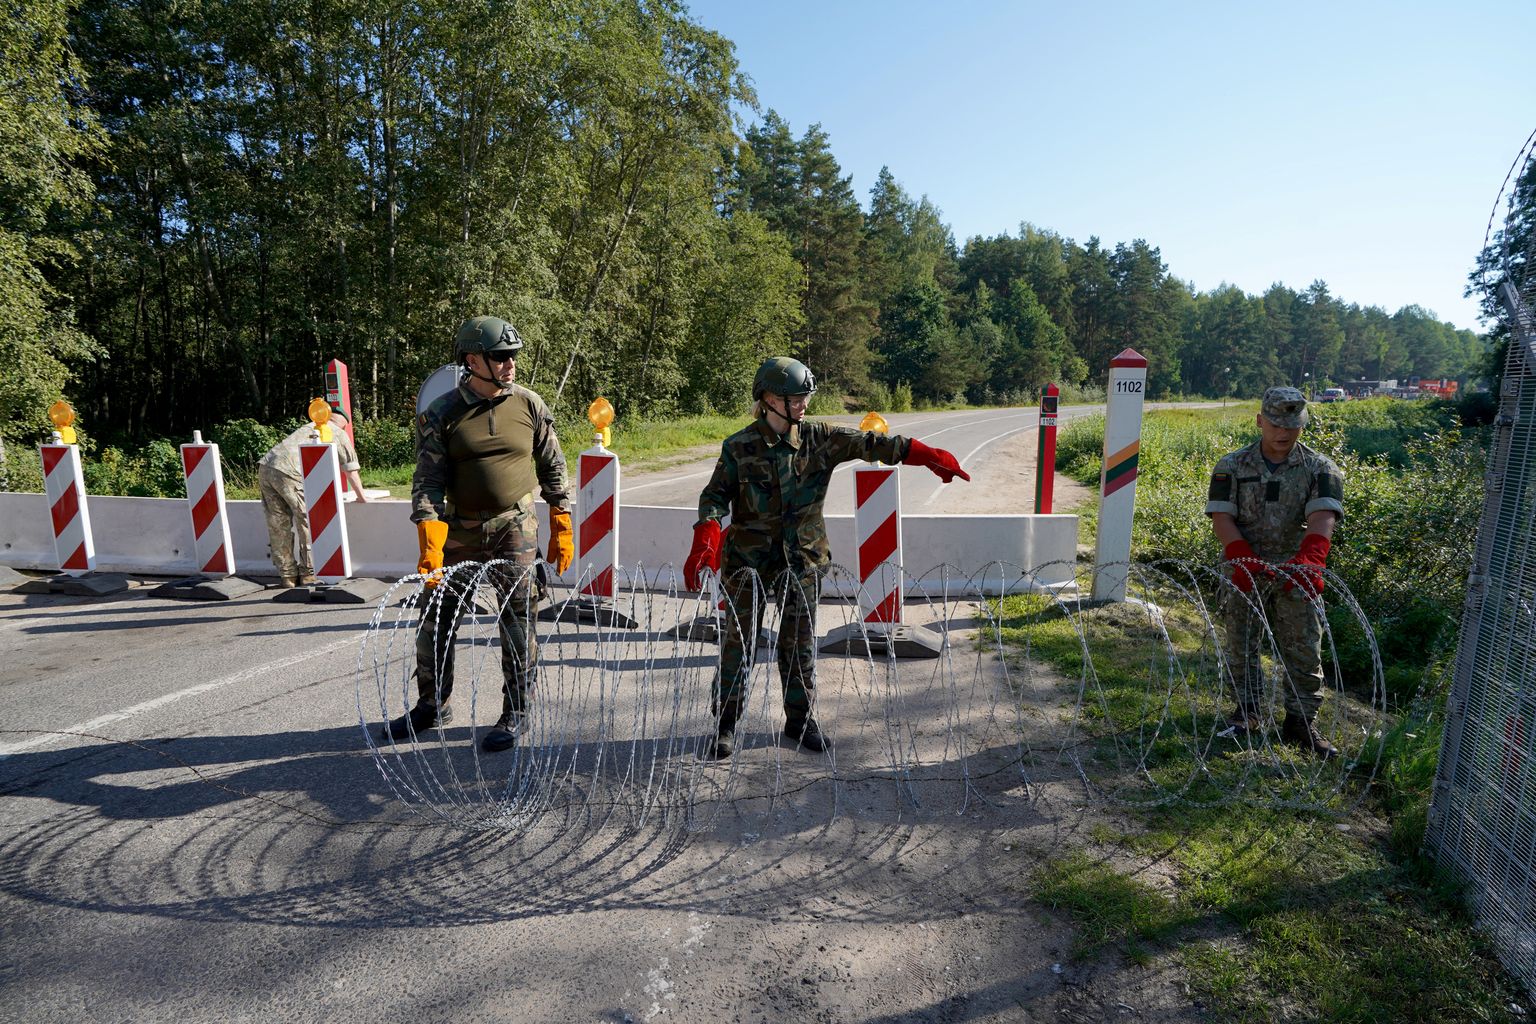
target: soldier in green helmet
<point>772,479</point>
<point>481,451</point>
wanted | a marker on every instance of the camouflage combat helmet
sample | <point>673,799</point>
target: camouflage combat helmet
<point>783,376</point>
<point>486,334</point>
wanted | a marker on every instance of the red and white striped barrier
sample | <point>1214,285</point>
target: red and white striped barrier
<point>205,500</point>
<point>877,529</point>
<point>327,520</point>
<point>597,532</point>
<point>64,487</point>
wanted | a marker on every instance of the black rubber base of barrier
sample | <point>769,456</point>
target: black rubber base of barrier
<point>877,640</point>
<point>201,588</point>
<point>705,629</point>
<point>588,611</point>
<point>95,584</point>
<point>363,590</point>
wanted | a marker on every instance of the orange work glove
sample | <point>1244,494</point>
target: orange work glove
<point>705,553</point>
<point>1310,559</point>
<point>431,535</point>
<point>1247,566</point>
<point>562,547</point>
<point>944,465</point>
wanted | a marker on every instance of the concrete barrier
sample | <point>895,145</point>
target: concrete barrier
<point>153,536</point>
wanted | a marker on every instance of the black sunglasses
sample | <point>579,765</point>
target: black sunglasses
<point>501,357</point>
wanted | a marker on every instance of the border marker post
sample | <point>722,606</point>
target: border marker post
<point>1045,460</point>
<point>1117,478</point>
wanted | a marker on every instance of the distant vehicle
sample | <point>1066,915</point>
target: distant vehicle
<point>1333,395</point>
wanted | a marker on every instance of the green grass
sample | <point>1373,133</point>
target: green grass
<point>1274,913</point>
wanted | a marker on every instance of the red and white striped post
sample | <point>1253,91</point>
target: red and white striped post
<point>1045,462</point>
<point>597,529</point>
<point>327,517</point>
<point>64,487</point>
<point>877,533</point>
<point>205,500</point>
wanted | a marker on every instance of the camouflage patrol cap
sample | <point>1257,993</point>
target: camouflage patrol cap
<point>1285,407</point>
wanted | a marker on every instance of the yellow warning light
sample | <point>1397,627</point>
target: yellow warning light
<point>319,412</point>
<point>875,422</point>
<point>61,414</point>
<point>600,413</point>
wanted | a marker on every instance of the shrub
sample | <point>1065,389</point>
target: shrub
<point>827,401</point>
<point>901,398</point>
<point>877,399</point>
<point>382,443</point>
<point>242,443</point>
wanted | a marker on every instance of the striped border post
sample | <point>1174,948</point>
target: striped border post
<point>64,487</point>
<point>327,519</point>
<point>1117,480</point>
<point>205,501</point>
<point>1045,461</point>
<point>877,530</point>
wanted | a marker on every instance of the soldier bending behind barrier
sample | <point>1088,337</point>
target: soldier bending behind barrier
<point>772,479</point>
<point>280,479</point>
<point>1277,501</point>
<point>480,451</point>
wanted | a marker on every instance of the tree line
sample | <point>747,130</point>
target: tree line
<point>201,202</point>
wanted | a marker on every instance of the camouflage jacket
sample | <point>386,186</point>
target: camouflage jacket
<point>773,488</point>
<point>1271,508</point>
<point>465,457</point>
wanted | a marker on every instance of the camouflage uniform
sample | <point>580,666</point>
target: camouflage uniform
<point>1271,508</point>
<point>478,461</point>
<point>773,488</point>
<point>281,481</point>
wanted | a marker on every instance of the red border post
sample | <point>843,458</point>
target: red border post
<point>338,394</point>
<point>1045,463</point>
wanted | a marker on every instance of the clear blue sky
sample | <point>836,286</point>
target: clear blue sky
<point>1360,143</point>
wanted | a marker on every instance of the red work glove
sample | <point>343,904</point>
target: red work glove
<point>944,465</point>
<point>1310,559</point>
<point>704,555</point>
<point>1247,566</point>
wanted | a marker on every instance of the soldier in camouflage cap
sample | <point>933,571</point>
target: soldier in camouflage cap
<point>1273,507</point>
<point>772,479</point>
<point>481,450</point>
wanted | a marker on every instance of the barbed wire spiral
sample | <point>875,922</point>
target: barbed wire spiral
<point>1130,699</point>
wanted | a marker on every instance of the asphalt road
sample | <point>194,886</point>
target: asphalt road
<point>193,827</point>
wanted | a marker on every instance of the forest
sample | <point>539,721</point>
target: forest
<point>201,202</point>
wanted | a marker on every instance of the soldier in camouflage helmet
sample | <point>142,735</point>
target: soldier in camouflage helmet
<point>481,450</point>
<point>772,479</point>
<point>1273,507</point>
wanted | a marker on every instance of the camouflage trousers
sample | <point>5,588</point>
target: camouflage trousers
<point>282,502</point>
<point>511,537</point>
<point>1297,631</point>
<point>746,596</point>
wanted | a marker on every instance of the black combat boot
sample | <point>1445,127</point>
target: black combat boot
<point>725,731</point>
<point>419,719</point>
<point>505,732</point>
<point>808,735</point>
<point>1300,732</point>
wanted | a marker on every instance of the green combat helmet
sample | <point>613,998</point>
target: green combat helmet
<point>783,376</point>
<point>486,334</point>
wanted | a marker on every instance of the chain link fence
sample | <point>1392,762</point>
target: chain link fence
<point>1482,825</point>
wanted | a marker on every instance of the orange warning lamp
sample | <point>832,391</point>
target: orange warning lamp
<point>61,414</point>
<point>320,415</point>
<point>600,414</point>
<point>873,421</point>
